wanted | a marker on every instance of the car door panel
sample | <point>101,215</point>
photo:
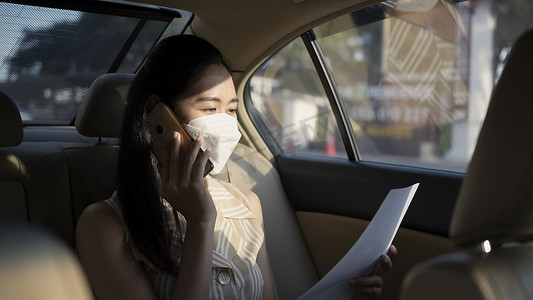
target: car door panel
<point>356,189</point>
<point>330,236</point>
<point>335,199</point>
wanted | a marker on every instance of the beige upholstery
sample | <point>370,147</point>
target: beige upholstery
<point>495,202</point>
<point>292,266</point>
<point>45,177</point>
<point>500,176</point>
<point>106,99</point>
<point>36,266</point>
<point>12,180</point>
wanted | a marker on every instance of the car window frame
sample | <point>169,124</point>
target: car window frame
<point>337,106</point>
<point>329,86</point>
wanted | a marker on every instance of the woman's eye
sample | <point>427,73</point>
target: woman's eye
<point>210,110</point>
<point>232,110</point>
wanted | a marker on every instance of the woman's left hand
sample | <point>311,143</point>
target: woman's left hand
<point>369,287</point>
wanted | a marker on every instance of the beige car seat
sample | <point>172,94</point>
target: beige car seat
<point>93,167</point>
<point>36,265</point>
<point>34,185</point>
<point>493,217</point>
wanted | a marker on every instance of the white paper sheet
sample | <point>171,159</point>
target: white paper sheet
<point>365,253</point>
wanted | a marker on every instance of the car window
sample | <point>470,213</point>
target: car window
<point>49,56</point>
<point>288,98</point>
<point>414,79</point>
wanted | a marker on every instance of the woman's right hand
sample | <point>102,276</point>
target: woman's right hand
<point>183,186</point>
<point>182,183</point>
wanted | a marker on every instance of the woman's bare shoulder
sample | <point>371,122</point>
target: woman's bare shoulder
<point>99,223</point>
<point>108,260</point>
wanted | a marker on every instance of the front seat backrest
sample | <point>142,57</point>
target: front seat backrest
<point>35,265</point>
<point>93,167</point>
<point>101,111</point>
<point>493,217</point>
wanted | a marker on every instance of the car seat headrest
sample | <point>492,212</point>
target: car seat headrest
<point>12,131</point>
<point>496,199</point>
<point>102,109</point>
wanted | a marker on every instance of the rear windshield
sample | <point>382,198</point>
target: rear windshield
<point>49,57</point>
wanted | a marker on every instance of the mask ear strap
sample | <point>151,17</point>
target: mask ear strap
<point>225,171</point>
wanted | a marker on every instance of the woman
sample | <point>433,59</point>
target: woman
<point>168,232</point>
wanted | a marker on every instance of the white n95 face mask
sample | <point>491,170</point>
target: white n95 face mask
<point>221,135</point>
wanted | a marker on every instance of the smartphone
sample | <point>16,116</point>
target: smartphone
<point>162,122</point>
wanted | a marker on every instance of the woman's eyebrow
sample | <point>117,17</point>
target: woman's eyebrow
<point>216,99</point>
<point>208,99</point>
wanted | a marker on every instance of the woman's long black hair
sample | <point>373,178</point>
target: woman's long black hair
<point>174,64</point>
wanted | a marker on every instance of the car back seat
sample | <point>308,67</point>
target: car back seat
<point>93,168</point>
<point>46,182</point>
<point>34,182</point>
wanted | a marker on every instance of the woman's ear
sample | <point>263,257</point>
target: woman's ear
<point>153,100</point>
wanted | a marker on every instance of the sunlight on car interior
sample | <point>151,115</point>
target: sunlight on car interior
<point>340,101</point>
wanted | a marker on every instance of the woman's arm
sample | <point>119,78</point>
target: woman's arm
<point>269,289</point>
<point>108,261</point>
<point>113,271</point>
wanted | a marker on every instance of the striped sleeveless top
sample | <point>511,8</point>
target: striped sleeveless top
<point>237,239</point>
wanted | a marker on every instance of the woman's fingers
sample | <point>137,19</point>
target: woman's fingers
<point>165,150</point>
<point>191,158</point>
<point>392,251</point>
<point>365,282</point>
<point>174,171</point>
<point>369,286</point>
<point>174,155</point>
<point>199,165</point>
<point>385,262</point>
<point>384,265</point>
